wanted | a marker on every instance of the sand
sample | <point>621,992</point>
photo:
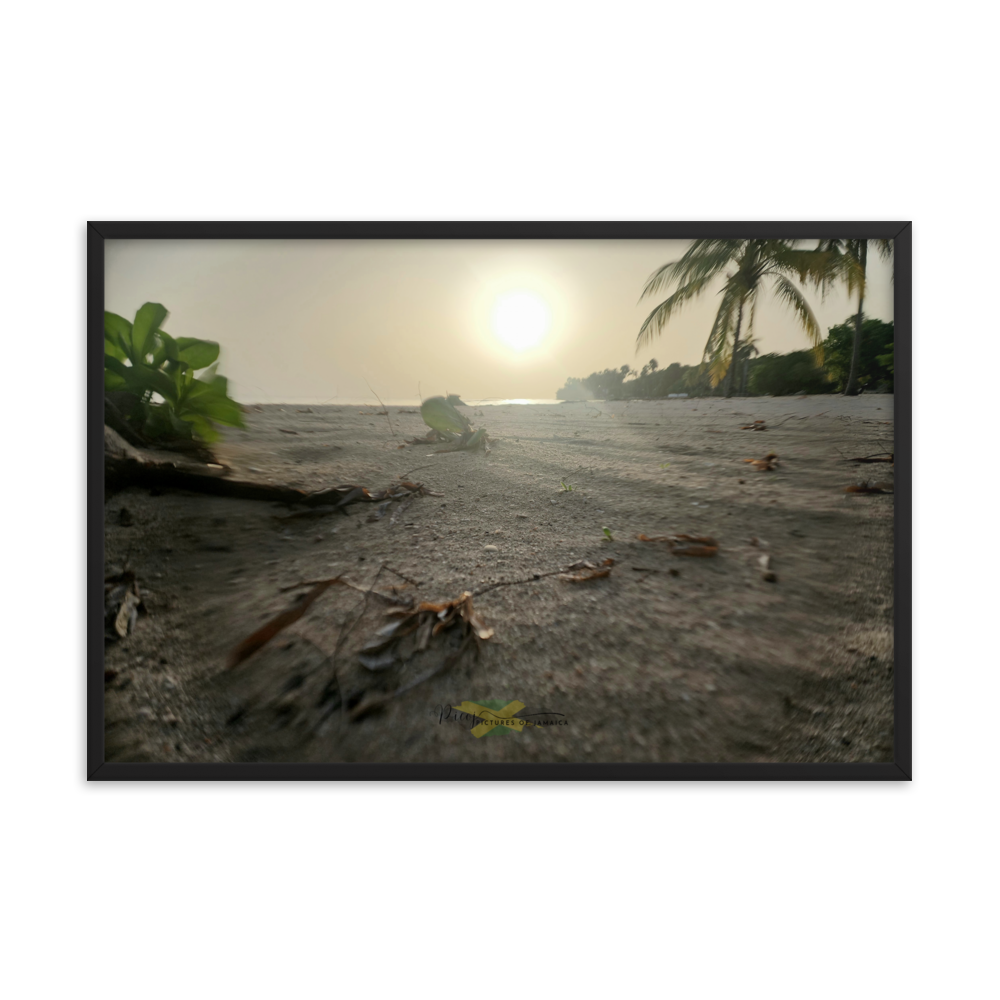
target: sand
<point>666,659</point>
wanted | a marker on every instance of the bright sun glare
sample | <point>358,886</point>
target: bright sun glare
<point>521,319</point>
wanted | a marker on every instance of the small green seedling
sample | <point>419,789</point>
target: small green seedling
<point>607,534</point>
<point>666,465</point>
<point>566,489</point>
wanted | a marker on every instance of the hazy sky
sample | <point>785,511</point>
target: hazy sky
<point>307,320</point>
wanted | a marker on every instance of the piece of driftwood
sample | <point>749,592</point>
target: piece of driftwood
<point>125,465</point>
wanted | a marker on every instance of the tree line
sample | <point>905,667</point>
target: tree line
<point>760,375</point>
<point>747,269</point>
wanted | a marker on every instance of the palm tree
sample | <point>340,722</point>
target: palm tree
<point>758,263</point>
<point>847,260</point>
<point>749,350</point>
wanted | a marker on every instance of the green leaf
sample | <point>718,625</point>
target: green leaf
<point>148,320</point>
<point>210,399</point>
<point>166,348</point>
<point>141,378</point>
<point>440,415</point>
<point>111,363</point>
<point>113,381</point>
<point>197,353</point>
<point>607,534</point>
<point>117,334</point>
<point>202,427</point>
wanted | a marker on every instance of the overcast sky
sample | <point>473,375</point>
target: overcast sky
<point>308,320</point>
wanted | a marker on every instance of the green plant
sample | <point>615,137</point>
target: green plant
<point>847,261</point>
<point>565,488</point>
<point>757,263</point>
<point>142,361</point>
<point>888,360</point>
<point>607,534</point>
<point>874,361</point>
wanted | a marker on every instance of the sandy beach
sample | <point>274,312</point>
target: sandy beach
<point>665,659</point>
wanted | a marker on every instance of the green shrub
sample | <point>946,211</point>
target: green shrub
<point>787,375</point>
<point>141,360</point>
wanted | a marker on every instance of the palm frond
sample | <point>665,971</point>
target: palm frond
<point>724,323</point>
<point>704,259</point>
<point>792,297</point>
<point>657,319</point>
<point>719,366</point>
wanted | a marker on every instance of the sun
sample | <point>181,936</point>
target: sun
<point>521,319</point>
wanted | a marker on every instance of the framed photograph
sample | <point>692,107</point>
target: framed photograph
<point>499,501</point>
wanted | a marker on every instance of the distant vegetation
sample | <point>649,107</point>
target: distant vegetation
<point>749,268</point>
<point>765,375</point>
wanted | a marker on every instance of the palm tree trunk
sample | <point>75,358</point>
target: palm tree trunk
<point>734,364</point>
<point>852,378</point>
<point>746,374</point>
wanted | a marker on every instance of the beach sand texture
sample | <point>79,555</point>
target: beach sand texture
<point>666,659</point>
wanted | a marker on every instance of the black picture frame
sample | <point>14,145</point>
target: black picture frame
<point>899,770</point>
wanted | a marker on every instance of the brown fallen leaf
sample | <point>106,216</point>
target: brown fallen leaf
<point>279,622</point>
<point>765,464</point>
<point>585,575</point>
<point>757,425</point>
<point>122,604</point>
<point>685,545</point>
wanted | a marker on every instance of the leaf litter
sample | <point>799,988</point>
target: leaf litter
<point>766,464</point>
<point>685,545</point>
<point>122,604</point>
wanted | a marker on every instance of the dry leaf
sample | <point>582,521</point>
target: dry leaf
<point>685,545</point>
<point>764,562</point>
<point>765,464</point>
<point>587,574</point>
<point>279,622</point>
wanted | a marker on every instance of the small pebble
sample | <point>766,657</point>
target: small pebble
<point>490,548</point>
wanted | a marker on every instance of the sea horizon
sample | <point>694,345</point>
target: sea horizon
<point>350,401</point>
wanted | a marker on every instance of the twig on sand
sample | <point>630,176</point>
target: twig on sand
<point>384,407</point>
<point>395,572</point>
<point>406,475</point>
<point>785,421</point>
